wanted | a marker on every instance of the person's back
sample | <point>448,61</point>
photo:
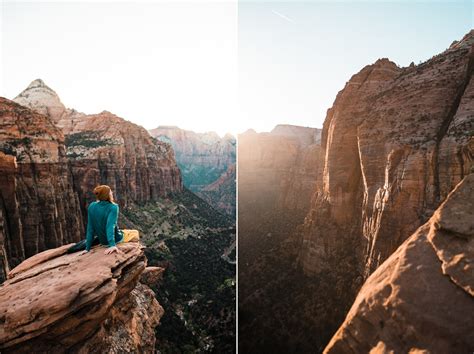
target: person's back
<point>102,216</point>
<point>102,227</point>
<point>101,222</point>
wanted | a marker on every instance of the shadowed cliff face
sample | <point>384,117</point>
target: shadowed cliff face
<point>277,175</point>
<point>106,149</point>
<point>394,144</point>
<point>38,206</point>
<point>207,163</point>
<point>420,298</point>
<point>397,141</point>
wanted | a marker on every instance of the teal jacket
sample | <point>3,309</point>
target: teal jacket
<point>102,222</point>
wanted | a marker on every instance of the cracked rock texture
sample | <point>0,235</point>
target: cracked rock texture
<point>39,208</point>
<point>422,297</point>
<point>397,141</point>
<point>58,302</point>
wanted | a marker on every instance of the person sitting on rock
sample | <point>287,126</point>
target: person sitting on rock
<point>102,228</point>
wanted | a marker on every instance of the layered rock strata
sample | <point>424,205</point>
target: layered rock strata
<point>106,149</point>
<point>58,302</point>
<point>397,141</point>
<point>204,159</point>
<point>39,208</point>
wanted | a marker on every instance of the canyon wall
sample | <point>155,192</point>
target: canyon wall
<point>420,298</point>
<point>207,163</point>
<point>278,169</point>
<point>39,208</point>
<point>394,144</point>
<point>106,149</point>
<point>397,141</point>
<point>277,176</point>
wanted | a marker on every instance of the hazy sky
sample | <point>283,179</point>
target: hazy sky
<point>222,66</point>
<point>294,57</point>
<point>154,63</point>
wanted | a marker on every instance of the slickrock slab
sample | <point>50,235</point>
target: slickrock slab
<point>56,302</point>
<point>421,297</point>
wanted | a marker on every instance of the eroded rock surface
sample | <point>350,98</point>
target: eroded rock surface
<point>106,149</point>
<point>421,298</point>
<point>39,208</point>
<point>58,302</point>
<point>397,141</point>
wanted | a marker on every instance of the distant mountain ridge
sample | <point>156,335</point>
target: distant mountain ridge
<point>207,163</point>
<point>104,148</point>
<point>52,157</point>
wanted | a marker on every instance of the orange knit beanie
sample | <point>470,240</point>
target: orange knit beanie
<point>102,192</point>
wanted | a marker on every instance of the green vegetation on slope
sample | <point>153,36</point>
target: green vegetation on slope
<point>191,240</point>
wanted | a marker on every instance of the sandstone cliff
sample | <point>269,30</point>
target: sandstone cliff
<point>277,175</point>
<point>204,159</point>
<point>39,208</point>
<point>92,303</point>
<point>397,141</point>
<point>106,149</point>
<point>278,169</point>
<point>422,297</point>
<point>394,144</point>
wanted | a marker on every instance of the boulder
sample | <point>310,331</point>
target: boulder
<point>421,298</point>
<point>59,302</point>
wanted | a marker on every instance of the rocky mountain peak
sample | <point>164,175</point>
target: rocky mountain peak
<point>41,98</point>
<point>37,83</point>
<point>467,41</point>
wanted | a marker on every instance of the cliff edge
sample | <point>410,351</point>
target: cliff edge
<point>422,296</point>
<point>94,303</point>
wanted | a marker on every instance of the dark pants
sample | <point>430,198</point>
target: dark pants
<point>81,245</point>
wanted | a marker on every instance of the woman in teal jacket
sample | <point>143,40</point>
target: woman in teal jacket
<point>102,216</point>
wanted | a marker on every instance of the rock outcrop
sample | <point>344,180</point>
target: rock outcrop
<point>422,297</point>
<point>41,98</point>
<point>204,159</point>
<point>74,303</point>
<point>397,141</point>
<point>39,208</point>
<point>393,146</point>
<point>278,169</point>
<point>106,149</point>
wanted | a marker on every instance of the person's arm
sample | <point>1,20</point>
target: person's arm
<point>90,230</point>
<point>111,221</point>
